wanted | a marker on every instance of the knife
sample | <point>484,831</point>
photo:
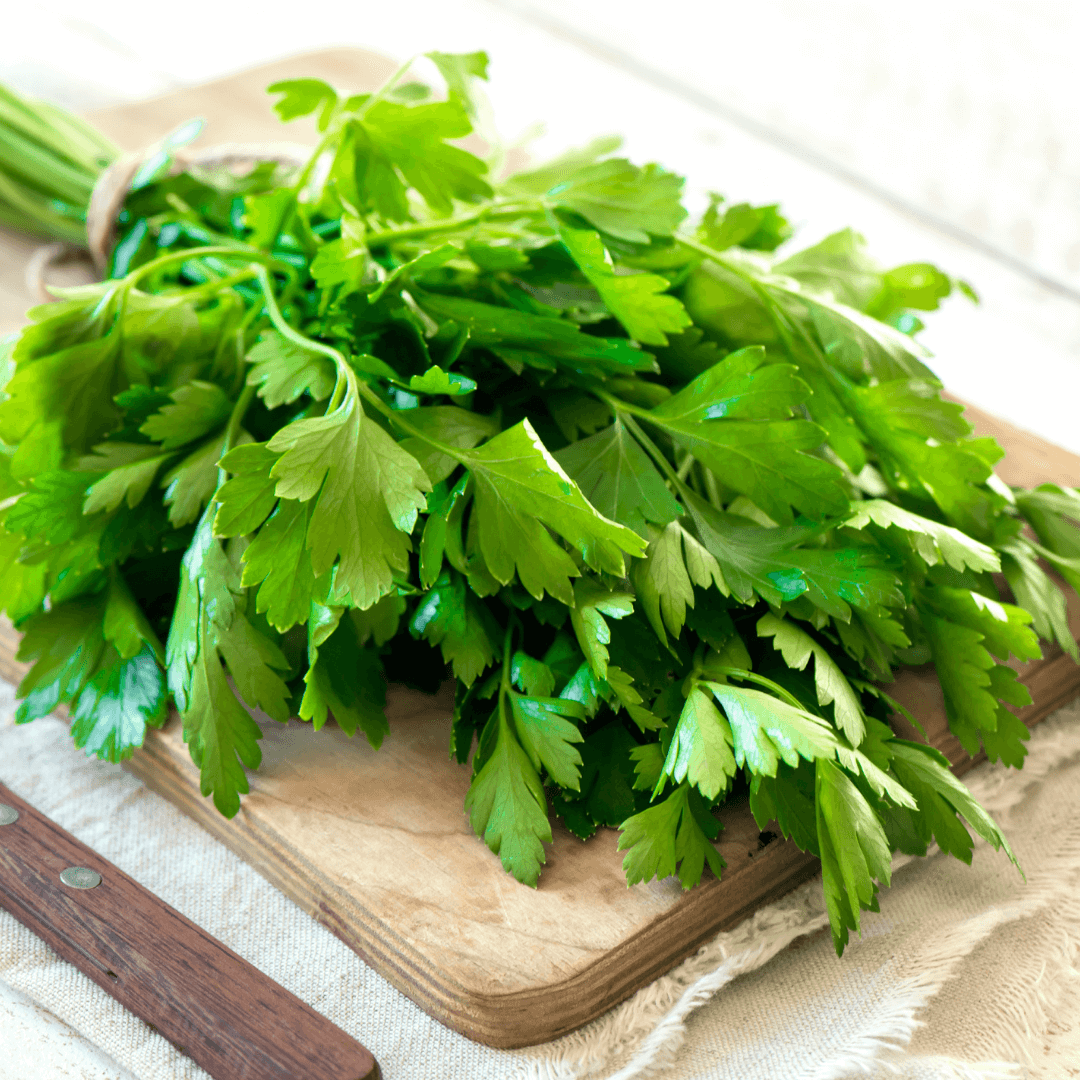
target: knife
<point>225,1014</point>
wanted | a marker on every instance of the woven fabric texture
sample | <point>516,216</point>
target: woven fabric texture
<point>965,973</point>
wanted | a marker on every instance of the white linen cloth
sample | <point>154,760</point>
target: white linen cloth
<point>965,973</point>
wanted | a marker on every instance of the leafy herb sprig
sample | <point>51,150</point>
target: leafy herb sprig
<point>669,506</point>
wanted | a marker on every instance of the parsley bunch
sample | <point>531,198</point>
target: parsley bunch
<point>669,507</point>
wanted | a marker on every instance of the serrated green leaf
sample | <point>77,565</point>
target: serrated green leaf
<point>125,484</point>
<point>925,770</point>
<point>283,370</point>
<point>638,301</point>
<point>191,484</point>
<point>278,561</point>
<point>625,696</point>
<point>767,730</point>
<point>797,646</point>
<point>1038,595</point>
<point>447,424</point>
<point>208,625</point>
<point>854,850</point>
<point>245,501</point>
<point>668,838</point>
<point>935,543</point>
<point>963,628</point>
<point>301,97</point>
<point>591,603</point>
<point>437,381</point>
<point>674,563</point>
<point>197,409</point>
<point>547,733</point>
<point>492,326</point>
<point>506,804</point>
<point>452,617</point>
<point>367,493</point>
<point>614,196</point>
<point>520,488</point>
<point>343,678</point>
<point>459,70</point>
<point>701,747</point>
<point>532,676</point>
<point>618,478</point>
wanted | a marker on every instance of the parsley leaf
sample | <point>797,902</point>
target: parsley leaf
<point>797,647</point>
<point>210,625</point>
<point>366,493</point>
<point>618,478</point>
<point>519,485</point>
<point>674,836</point>
<point>638,301</point>
<point>506,803</point>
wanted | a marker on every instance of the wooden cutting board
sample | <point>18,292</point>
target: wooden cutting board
<point>376,846</point>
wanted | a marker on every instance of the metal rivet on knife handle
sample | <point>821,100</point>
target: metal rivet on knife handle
<point>80,877</point>
<point>8,814</point>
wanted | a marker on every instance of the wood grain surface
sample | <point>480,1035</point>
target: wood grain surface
<point>376,846</point>
<point>225,1014</point>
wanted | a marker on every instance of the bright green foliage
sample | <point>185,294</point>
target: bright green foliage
<point>797,647</point>
<point>98,656</point>
<point>963,629</point>
<point>935,543</point>
<point>591,603</point>
<point>669,507</point>
<point>506,804</point>
<point>452,617</point>
<point>701,749</point>
<point>672,837</point>
<point>674,563</point>
<point>616,476</point>
<point>520,488</point>
<point>283,370</point>
<point>459,70</point>
<point>638,301</point>
<point>365,490</point>
<point>197,409</point>
<point>210,625</point>
<point>343,677</point>
<point>729,418</point>
<point>766,730</point>
<point>854,850</point>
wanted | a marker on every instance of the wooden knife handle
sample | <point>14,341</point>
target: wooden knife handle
<point>225,1014</point>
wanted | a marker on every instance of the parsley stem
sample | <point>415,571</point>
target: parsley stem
<point>201,252</point>
<point>341,365</point>
<point>685,467</point>
<point>209,288</point>
<point>247,395</point>
<point>488,213</point>
<point>749,676</point>
<point>396,417</point>
<point>708,252</point>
